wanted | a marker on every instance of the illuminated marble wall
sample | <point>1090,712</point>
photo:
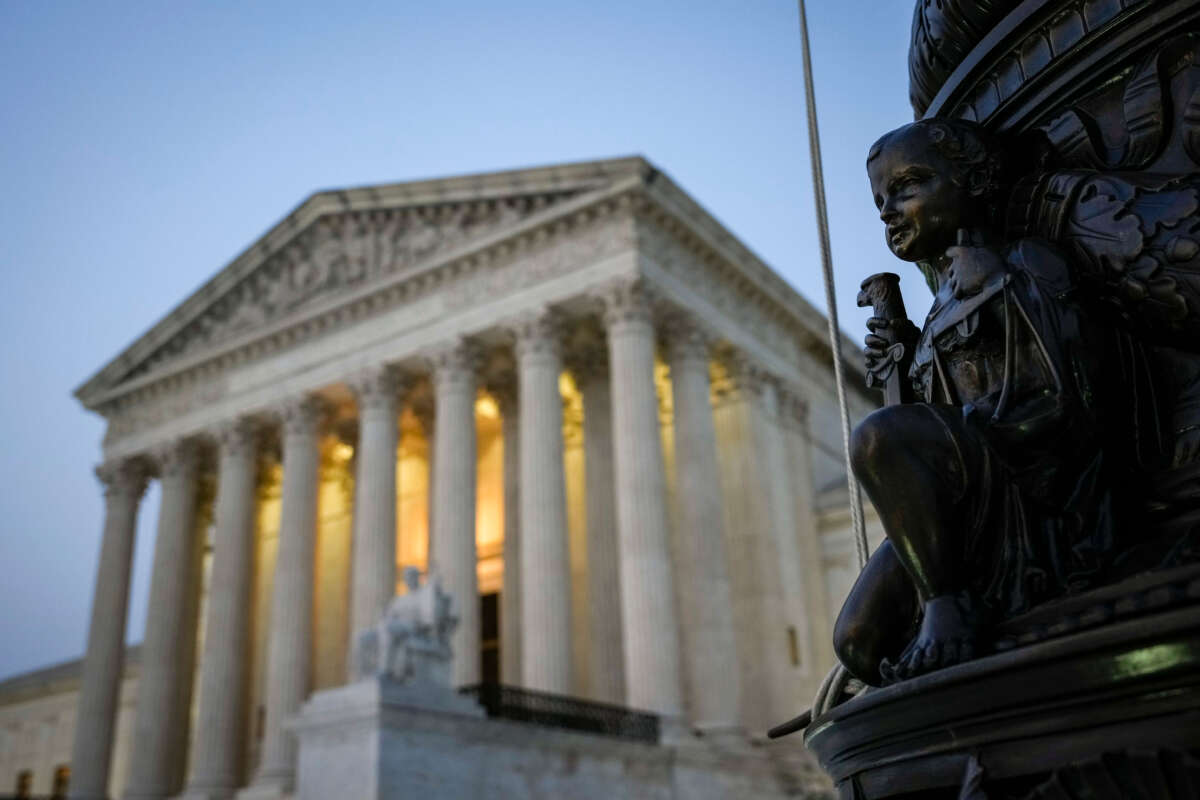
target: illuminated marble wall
<point>489,496</point>
<point>576,534</point>
<point>331,596</point>
<point>412,496</point>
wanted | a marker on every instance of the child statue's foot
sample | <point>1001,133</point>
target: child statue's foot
<point>947,637</point>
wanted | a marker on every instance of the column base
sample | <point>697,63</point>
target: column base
<point>674,730</point>
<point>273,788</point>
<point>723,736</point>
<point>208,793</point>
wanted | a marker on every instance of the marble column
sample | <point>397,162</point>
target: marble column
<point>216,757</point>
<point>162,708</point>
<point>709,641</point>
<point>648,618</point>
<point>510,596</point>
<point>773,450</point>
<point>759,600</point>
<point>374,559</point>
<point>607,667</point>
<point>99,692</point>
<point>545,565</point>
<point>816,635</point>
<point>452,541</point>
<point>289,648</point>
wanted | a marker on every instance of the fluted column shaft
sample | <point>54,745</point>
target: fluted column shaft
<point>289,649</point>
<point>374,565</point>
<point>545,565</point>
<point>161,708</point>
<point>782,513</point>
<point>652,675</point>
<point>216,757</point>
<point>709,641</point>
<point>607,650</point>
<point>761,609</point>
<point>452,545</point>
<point>816,638</point>
<point>510,597</point>
<point>103,661</point>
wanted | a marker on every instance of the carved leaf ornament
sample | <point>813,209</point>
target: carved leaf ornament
<point>1142,243</point>
<point>1133,230</point>
<point>1078,138</point>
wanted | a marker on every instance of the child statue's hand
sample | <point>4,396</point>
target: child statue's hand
<point>972,265</point>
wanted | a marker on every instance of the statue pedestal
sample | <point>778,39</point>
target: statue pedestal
<point>350,740</point>
<point>378,739</point>
<point>1109,710</point>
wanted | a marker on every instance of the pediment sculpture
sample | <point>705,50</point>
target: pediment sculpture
<point>339,253</point>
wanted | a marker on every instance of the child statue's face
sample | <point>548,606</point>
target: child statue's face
<point>917,199</point>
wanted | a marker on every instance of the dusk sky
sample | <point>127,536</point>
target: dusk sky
<point>143,145</point>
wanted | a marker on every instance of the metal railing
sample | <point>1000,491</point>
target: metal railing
<point>559,711</point>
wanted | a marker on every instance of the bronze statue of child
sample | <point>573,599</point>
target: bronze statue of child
<point>996,477</point>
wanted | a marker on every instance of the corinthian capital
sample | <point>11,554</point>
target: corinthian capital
<point>376,388</point>
<point>124,478</point>
<point>627,300</point>
<point>746,376</point>
<point>302,415</point>
<point>538,333</point>
<point>793,407</point>
<point>686,339</point>
<point>238,436</point>
<point>179,457</point>
<point>454,364</point>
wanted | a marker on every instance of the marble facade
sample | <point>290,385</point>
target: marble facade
<point>569,386</point>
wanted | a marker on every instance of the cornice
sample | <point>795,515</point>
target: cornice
<point>715,245</point>
<point>60,678</point>
<point>579,177</point>
<point>642,192</point>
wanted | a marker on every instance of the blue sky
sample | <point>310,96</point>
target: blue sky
<point>143,145</point>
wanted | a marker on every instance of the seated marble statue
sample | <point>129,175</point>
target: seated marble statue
<point>411,643</point>
<point>999,476</point>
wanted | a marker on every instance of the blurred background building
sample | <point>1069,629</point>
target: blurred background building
<point>570,392</point>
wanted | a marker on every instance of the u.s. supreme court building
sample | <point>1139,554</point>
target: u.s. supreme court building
<point>599,418</point>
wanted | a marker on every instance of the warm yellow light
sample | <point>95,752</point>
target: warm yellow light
<point>342,452</point>
<point>486,407</point>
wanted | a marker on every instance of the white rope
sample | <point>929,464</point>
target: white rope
<point>835,339</point>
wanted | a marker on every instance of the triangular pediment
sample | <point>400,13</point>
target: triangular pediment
<point>339,242</point>
<point>340,252</point>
